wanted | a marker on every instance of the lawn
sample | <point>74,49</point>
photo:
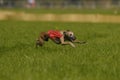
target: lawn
<point>65,11</point>
<point>99,59</point>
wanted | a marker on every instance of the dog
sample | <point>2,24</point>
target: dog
<point>66,37</point>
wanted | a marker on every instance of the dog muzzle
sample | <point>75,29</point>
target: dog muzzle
<point>72,38</point>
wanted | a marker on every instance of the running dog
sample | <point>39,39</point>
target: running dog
<point>66,37</point>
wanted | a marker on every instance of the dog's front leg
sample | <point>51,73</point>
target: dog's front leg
<point>65,43</point>
<point>77,41</point>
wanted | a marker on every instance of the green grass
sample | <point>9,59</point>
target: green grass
<point>99,59</point>
<point>67,11</point>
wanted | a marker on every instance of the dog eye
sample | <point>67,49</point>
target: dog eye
<point>70,34</point>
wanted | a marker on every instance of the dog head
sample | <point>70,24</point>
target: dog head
<point>69,35</point>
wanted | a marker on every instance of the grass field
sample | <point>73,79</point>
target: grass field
<point>66,11</point>
<point>99,59</point>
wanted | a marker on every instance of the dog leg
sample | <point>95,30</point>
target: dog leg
<point>77,41</point>
<point>65,43</point>
<point>39,42</point>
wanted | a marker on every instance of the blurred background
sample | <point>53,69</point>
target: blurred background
<point>75,10</point>
<point>92,4</point>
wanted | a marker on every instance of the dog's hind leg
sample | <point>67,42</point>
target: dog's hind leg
<point>39,42</point>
